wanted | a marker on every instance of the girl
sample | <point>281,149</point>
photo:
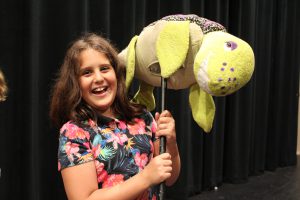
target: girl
<point>108,147</point>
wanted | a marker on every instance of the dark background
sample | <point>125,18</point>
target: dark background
<point>255,129</point>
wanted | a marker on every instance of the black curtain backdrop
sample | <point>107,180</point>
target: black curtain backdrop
<point>255,129</point>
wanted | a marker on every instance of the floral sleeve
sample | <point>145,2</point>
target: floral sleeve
<point>74,146</point>
<point>151,123</point>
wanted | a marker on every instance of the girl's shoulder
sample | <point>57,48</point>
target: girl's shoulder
<point>73,126</point>
<point>146,116</point>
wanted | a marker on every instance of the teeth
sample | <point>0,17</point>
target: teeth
<point>99,89</point>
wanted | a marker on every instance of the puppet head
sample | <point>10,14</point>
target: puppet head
<point>190,52</point>
<point>223,64</point>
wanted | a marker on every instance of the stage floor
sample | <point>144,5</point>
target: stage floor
<point>282,184</point>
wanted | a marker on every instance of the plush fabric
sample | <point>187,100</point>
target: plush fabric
<point>223,64</point>
<point>203,107</point>
<point>172,47</point>
<point>130,65</point>
<point>190,52</point>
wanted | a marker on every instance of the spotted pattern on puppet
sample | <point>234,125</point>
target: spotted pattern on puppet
<point>232,80</point>
<point>205,24</point>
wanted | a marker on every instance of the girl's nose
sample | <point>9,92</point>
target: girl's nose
<point>98,77</point>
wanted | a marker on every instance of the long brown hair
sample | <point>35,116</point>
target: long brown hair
<point>3,87</point>
<point>66,101</point>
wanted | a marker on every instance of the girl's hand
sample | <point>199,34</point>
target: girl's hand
<point>166,126</point>
<point>159,169</point>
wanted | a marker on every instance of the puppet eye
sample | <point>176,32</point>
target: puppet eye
<point>230,46</point>
<point>155,69</point>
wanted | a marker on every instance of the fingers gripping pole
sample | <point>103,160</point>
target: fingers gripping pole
<point>162,146</point>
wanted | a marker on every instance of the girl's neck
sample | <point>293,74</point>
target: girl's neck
<point>108,113</point>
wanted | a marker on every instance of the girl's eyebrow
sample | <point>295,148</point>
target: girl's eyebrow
<point>89,67</point>
<point>106,65</point>
<point>84,68</point>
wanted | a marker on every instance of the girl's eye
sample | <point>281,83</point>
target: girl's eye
<point>86,72</point>
<point>104,68</point>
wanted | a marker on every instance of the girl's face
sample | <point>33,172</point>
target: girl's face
<point>97,81</point>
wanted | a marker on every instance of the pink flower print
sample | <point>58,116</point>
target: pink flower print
<point>141,160</point>
<point>87,145</point>
<point>101,172</point>
<point>153,126</point>
<point>121,138</point>
<point>115,145</point>
<point>138,127</point>
<point>122,125</point>
<point>96,150</point>
<point>74,132</point>
<point>91,123</point>
<point>71,148</point>
<point>118,138</point>
<point>58,166</point>
<point>112,180</point>
<point>112,125</point>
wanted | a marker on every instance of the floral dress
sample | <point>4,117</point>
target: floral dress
<point>119,150</point>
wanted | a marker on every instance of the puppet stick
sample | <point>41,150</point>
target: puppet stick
<point>162,146</point>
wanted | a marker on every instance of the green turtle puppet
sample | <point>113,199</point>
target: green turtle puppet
<point>190,52</point>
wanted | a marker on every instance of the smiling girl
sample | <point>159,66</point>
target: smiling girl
<point>107,144</point>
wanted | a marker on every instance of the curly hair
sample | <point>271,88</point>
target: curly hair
<point>66,99</point>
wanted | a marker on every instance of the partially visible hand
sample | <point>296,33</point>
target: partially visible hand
<point>166,126</point>
<point>159,169</point>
